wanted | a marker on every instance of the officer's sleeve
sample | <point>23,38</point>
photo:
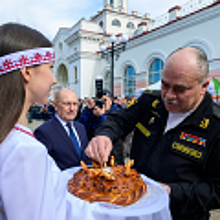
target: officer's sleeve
<point>121,122</point>
<point>187,198</point>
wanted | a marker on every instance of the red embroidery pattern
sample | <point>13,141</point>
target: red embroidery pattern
<point>26,58</point>
<point>24,131</point>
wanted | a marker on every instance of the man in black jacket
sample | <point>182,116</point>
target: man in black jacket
<point>176,138</point>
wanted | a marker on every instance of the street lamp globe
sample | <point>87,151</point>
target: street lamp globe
<point>124,38</point>
<point>113,39</point>
<point>102,48</point>
<point>99,77</point>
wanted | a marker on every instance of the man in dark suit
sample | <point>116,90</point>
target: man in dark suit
<point>64,138</point>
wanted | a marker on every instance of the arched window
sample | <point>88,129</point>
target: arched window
<point>107,81</point>
<point>101,23</point>
<point>156,71</point>
<point>130,25</point>
<point>62,77</point>
<point>116,23</point>
<point>129,81</point>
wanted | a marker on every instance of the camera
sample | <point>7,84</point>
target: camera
<point>99,102</point>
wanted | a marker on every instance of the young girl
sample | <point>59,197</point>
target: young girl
<point>31,185</point>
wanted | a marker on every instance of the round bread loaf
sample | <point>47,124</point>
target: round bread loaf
<point>119,184</point>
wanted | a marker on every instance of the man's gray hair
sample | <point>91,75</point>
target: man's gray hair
<point>58,93</point>
<point>202,63</point>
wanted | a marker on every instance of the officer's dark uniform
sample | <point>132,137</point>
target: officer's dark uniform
<point>187,158</point>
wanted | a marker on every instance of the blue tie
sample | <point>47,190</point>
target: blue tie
<point>74,139</point>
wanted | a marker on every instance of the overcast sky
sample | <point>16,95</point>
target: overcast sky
<point>49,15</point>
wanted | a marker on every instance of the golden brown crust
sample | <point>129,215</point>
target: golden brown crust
<point>122,186</point>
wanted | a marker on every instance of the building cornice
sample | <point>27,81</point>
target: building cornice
<point>84,33</point>
<point>82,55</point>
<point>117,13</point>
<point>71,38</point>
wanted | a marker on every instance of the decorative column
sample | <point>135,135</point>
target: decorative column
<point>115,5</point>
<point>125,6</point>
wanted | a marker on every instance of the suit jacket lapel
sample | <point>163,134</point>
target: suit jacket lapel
<point>63,134</point>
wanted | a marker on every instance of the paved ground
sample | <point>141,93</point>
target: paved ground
<point>215,215</point>
<point>34,124</point>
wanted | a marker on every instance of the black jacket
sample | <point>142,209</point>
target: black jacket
<point>187,158</point>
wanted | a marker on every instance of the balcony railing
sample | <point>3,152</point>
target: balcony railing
<point>187,8</point>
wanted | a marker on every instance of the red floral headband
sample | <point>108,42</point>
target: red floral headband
<point>24,58</point>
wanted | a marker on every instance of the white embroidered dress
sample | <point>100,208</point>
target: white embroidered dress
<point>31,185</point>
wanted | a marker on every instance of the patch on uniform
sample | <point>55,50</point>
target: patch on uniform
<point>193,139</point>
<point>132,103</point>
<point>188,151</point>
<point>144,130</point>
<point>204,123</point>
<point>155,103</point>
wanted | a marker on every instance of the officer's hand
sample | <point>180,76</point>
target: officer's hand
<point>99,149</point>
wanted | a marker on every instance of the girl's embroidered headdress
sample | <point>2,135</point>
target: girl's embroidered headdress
<point>24,58</point>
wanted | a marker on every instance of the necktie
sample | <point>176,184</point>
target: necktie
<point>74,139</point>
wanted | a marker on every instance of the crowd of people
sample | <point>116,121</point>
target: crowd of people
<point>45,111</point>
<point>175,132</point>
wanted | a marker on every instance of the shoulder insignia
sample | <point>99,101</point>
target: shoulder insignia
<point>204,124</point>
<point>153,92</point>
<point>154,104</point>
<point>155,95</point>
<point>131,103</point>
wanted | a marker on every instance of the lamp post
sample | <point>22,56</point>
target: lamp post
<point>115,50</point>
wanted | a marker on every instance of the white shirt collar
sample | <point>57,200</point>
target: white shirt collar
<point>61,120</point>
<point>175,119</point>
<point>63,123</point>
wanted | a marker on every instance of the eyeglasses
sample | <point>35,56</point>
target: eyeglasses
<point>69,104</point>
